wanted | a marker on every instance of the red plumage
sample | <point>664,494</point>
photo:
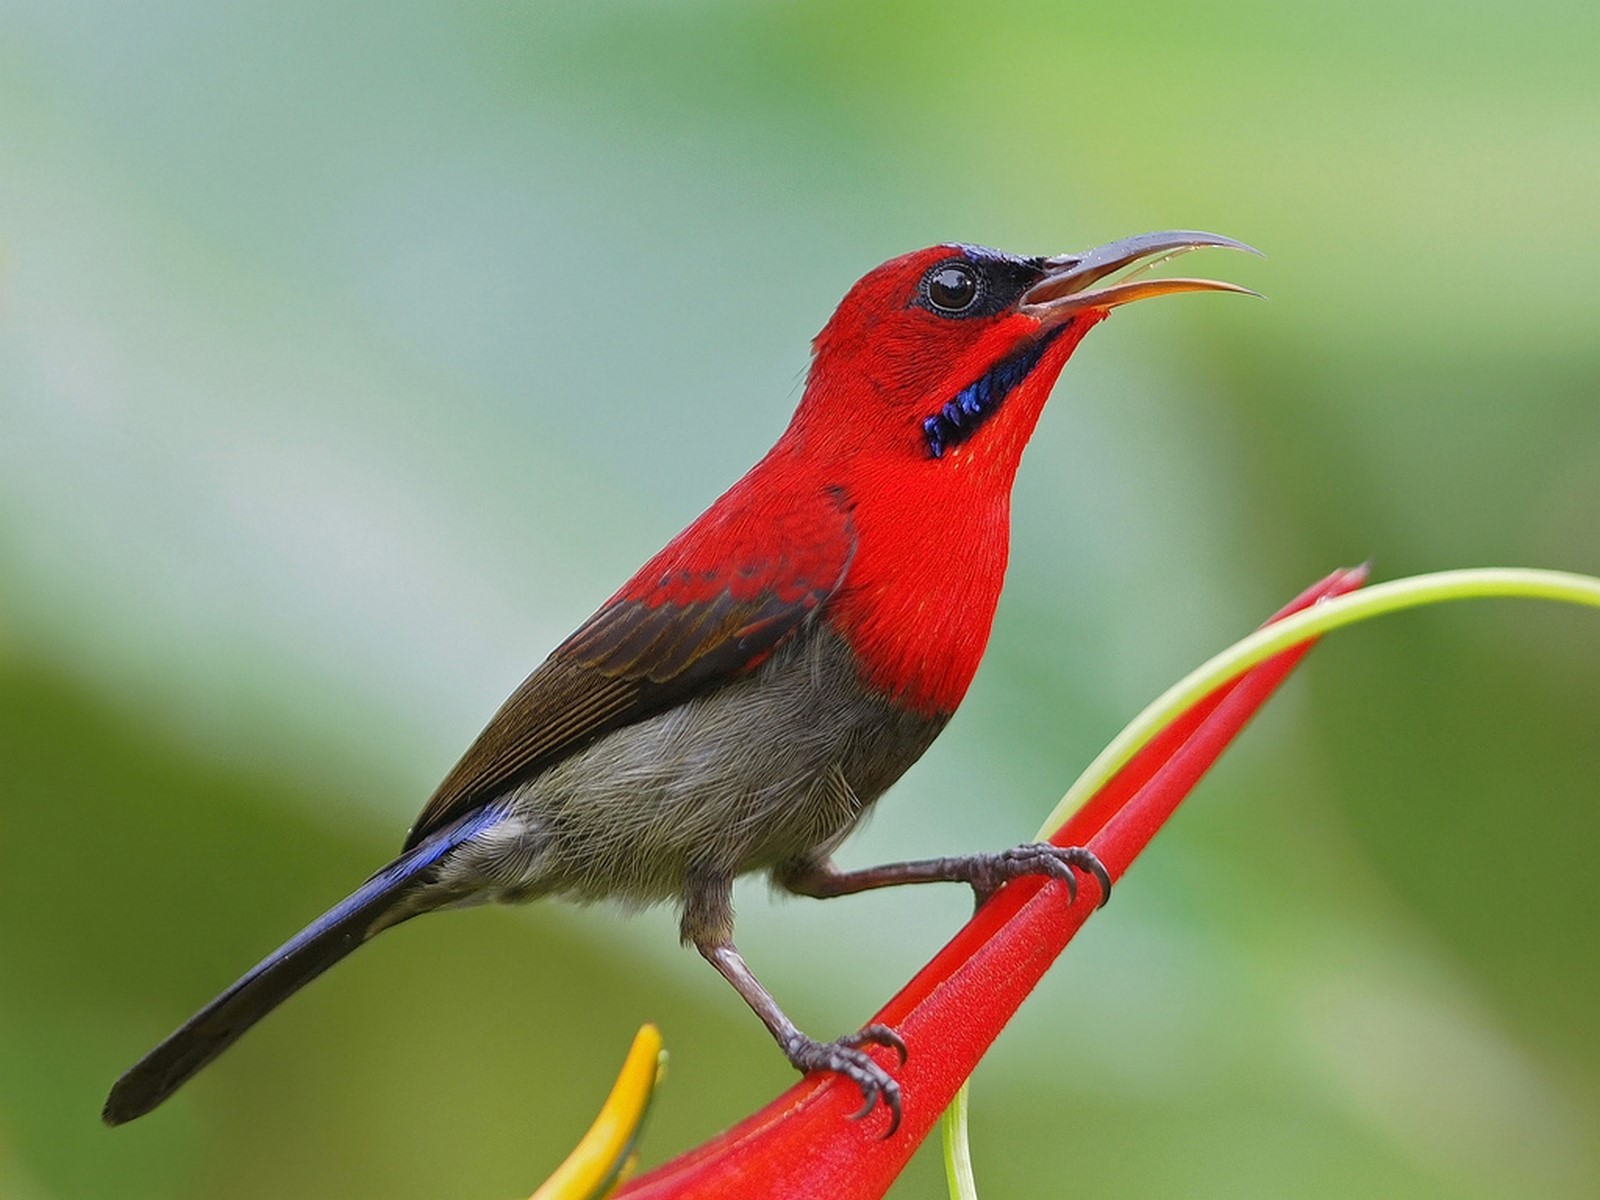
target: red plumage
<point>931,536</point>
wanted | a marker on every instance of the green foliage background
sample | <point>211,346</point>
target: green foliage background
<point>351,352</point>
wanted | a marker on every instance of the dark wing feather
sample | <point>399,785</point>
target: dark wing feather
<point>672,632</point>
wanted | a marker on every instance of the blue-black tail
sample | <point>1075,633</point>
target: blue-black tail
<point>273,980</point>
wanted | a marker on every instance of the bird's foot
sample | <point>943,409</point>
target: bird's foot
<point>846,1057</point>
<point>987,872</point>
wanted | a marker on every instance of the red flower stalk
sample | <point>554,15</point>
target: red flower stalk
<point>804,1144</point>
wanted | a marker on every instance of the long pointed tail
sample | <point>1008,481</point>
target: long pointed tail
<point>273,980</point>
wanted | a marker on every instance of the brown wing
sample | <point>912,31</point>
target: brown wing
<point>637,656</point>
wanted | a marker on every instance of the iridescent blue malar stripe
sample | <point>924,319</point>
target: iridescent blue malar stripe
<point>978,401</point>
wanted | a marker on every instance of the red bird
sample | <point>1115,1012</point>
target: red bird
<point>742,701</point>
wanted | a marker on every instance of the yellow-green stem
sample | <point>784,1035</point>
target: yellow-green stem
<point>1333,613</point>
<point>958,1149</point>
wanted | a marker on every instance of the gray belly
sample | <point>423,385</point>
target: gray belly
<point>777,766</point>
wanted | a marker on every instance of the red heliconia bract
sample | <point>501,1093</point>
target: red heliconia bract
<point>804,1145</point>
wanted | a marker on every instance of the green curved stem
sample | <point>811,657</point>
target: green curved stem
<point>1414,592</point>
<point>958,1149</point>
<point>1417,591</point>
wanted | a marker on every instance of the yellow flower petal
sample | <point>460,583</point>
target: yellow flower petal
<point>606,1155</point>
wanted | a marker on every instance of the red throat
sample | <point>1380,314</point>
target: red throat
<point>933,534</point>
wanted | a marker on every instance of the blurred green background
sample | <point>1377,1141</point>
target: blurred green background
<point>351,353</point>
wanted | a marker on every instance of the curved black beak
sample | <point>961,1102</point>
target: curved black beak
<point>1068,284</point>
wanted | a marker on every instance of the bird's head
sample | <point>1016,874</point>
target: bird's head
<point>946,355</point>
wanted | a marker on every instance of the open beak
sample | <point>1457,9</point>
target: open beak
<point>1068,285</point>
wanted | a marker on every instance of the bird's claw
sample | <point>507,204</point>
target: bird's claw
<point>989,871</point>
<point>846,1057</point>
<point>876,1035</point>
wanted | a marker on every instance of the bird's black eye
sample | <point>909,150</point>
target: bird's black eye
<point>951,287</point>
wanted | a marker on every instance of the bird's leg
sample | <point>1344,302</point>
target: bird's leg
<point>984,872</point>
<point>708,923</point>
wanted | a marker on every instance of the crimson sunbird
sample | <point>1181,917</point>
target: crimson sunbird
<point>740,703</point>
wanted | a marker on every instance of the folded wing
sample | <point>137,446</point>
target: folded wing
<point>711,606</point>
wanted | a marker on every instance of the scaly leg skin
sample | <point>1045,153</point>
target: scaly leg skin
<point>984,872</point>
<point>708,923</point>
